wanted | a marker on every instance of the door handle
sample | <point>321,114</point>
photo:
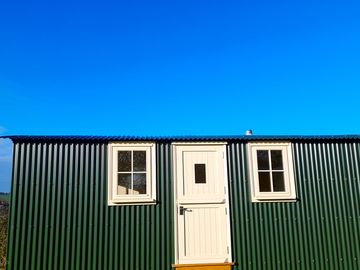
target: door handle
<point>183,209</point>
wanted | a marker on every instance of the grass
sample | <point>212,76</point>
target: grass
<point>5,197</point>
<point>3,235</point>
<point>4,212</point>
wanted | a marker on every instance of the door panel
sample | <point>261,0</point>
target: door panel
<point>202,221</point>
<point>208,188</point>
<point>204,233</point>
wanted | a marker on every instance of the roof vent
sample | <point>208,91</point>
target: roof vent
<point>248,132</point>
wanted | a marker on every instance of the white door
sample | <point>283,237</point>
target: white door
<point>202,221</point>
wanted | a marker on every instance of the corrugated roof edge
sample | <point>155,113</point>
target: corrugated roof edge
<point>77,138</point>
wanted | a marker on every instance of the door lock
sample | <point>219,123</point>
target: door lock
<point>182,209</point>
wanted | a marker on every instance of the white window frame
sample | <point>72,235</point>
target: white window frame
<point>131,199</point>
<point>290,193</point>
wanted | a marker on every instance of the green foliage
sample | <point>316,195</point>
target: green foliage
<point>4,213</point>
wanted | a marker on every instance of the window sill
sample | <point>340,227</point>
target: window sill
<point>275,200</point>
<point>133,202</point>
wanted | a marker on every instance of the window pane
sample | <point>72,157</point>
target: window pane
<point>276,160</point>
<point>124,161</point>
<point>263,159</point>
<point>139,186</point>
<point>124,183</point>
<point>200,173</point>
<point>139,161</point>
<point>278,181</point>
<point>264,182</point>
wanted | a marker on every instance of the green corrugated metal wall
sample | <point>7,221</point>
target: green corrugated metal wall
<point>60,219</point>
<point>320,231</point>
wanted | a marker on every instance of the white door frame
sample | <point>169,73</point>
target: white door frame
<point>175,183</point>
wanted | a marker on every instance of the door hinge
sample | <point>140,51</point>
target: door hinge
<point>225,211</point>
<point>227,249</point>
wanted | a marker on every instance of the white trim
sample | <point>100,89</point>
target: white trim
<point>150,196</point>
<point>198,143</point>
<point>289,195</point>
<point>175,206</point>
<point>227,204</point>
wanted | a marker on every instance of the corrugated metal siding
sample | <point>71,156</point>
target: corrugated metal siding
<point>320,231</point>
<point>60,219</point>
<point>59,216</point>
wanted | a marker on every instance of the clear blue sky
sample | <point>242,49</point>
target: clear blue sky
<point>177,68</point>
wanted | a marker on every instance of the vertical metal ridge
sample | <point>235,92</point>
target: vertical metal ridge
<point>59,217</point>
<point>10,256</point>
<point>319,231</point>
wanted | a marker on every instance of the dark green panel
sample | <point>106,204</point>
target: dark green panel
<point>319,231</point>
<point>60,219</point>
